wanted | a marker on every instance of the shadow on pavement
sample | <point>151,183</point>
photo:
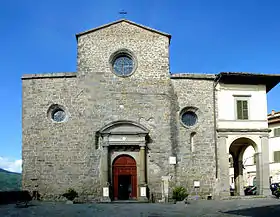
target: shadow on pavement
<point>271,211</point>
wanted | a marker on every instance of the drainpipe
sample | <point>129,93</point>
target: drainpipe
<point>216,81</point>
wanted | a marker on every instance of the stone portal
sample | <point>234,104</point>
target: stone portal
<point>120,141</point>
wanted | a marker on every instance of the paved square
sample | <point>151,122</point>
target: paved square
<point>230,208</point>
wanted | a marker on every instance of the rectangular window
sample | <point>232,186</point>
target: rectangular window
<point>277,157</point>
<point>242,109</point>
<point>277,132</point>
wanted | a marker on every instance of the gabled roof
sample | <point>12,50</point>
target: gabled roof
<point>269,80</point>
<point>123,20</point>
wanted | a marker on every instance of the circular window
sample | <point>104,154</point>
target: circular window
<point>123,63</point>
<point>58,115</point>
<point>189,118</point>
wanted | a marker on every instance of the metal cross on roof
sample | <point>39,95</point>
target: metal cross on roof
<point>123,14</point>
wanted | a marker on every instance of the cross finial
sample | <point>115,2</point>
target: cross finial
<point>123,14</point>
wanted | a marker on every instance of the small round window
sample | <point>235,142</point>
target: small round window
<point>58,115</point>
<point>189,118</point>
<point>123,65</point>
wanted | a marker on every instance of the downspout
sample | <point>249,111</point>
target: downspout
<point>216,81</point>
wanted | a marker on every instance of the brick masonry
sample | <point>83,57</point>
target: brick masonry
<point>57,156</point>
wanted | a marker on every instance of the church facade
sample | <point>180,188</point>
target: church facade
<point>123,127</point>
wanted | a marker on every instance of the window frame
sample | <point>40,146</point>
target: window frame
<point>242,98</point>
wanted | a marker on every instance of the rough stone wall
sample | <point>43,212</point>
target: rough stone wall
<point>144,97</point>
<point>57,156</point>
<point>195,163</point>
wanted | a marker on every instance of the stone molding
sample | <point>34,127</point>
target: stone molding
<point>193,76</point>
<point>243,130</point>
<point>49,75</point>
<point>134,134</point>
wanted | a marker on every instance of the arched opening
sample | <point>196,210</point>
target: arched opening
<point>243,167</point>
<point>124,178</point>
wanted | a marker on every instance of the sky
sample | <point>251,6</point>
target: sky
<point>207,37</point>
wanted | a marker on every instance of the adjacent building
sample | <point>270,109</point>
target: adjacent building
<point>274,146</point>
<point>249,157</point>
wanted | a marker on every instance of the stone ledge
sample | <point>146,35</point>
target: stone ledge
<point>246,130</point>
<point>193,76</point>
<point>50,75</point>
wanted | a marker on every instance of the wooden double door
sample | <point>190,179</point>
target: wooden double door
<point>124,178</point>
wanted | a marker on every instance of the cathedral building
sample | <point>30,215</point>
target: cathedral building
<point>124,127</point>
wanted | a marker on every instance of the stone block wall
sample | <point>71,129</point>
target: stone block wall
<point>56,156</point>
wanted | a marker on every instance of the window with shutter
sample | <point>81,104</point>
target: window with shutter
<point>242,109</point>
<point>277,132</point>
<point>277,157</point>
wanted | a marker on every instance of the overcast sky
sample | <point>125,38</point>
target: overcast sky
<point>207,37</point>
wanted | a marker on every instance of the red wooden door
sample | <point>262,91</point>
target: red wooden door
<point>125,165</point>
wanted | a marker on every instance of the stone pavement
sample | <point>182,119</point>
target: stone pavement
<point>229,208</point>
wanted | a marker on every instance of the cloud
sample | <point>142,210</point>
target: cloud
<point>10,165</point>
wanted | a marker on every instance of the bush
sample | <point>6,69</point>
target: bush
<point>71,194</point>
<point>179,193</point>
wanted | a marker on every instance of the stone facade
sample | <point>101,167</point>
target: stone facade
<point>108,115</point>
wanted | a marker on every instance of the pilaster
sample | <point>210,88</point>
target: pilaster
<point>263,167</point>
<point>142,178</point>
<point>223,167</point>
<point>105,171</point>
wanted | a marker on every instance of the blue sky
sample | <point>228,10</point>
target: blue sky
<point>207,37</point>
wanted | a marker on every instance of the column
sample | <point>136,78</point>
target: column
<point>258,173</point>
<point>223,167</point>
<point>142,178</point>
<point>238,177</point>
<point>105,155</point>
<point>104,169</point>
<point>142,165</point>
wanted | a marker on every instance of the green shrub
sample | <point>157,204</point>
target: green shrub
<point>71,194</point>
<point>179,193</point>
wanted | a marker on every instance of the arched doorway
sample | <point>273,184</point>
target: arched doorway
<point>237,149</point>
<point>124,178</point>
